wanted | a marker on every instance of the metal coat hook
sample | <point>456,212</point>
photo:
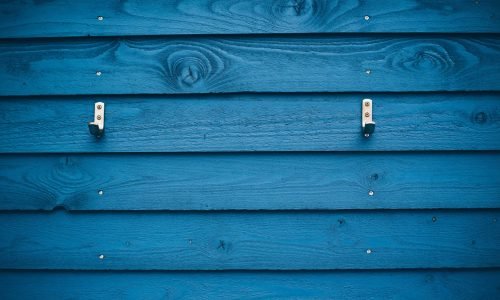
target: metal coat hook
<point>96,128</point>
<point>367,117</point>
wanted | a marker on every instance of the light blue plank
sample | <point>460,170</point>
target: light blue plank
<point>448,284</point>
<point>247,122</point>
<point>142,65</point>
<point>81,18</point>
<point>250,240</point>
<point>270,181</point>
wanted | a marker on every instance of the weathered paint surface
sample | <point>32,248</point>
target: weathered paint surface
<point>233,164</point>
<point>250,181</point>
<point>55,18</point>
<point>263,122</point>
<point>330,63</point>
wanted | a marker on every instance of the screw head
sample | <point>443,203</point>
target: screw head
<point>101,257</point>
<point>367,135</point>
<point>100,18</point>
<point>99,117</point>
<point>367,103</point>
<point>368,251</point>
<point>368,72</point>
<point>98,73</point>
<point>370,193</point>
<point>99,106</point>
<point>367,114</point>
<point>367,18</point>
<point>100,192</point>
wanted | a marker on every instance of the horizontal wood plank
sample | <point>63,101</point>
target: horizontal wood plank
<point>250,240</point>
<point>273,181</point>
<point>113,17</point>
<point>255,64</point>
<point>247,122</point>
<point>448,284</point>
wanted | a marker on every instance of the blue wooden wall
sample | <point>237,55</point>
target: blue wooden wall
<point>233,164</point>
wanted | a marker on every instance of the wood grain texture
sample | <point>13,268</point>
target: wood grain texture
<point>256,64</point>
<point>426,284</point>
<point>274,181</point>
<point>250,241</point>
<point>133,17</point>
<point>273,122</point>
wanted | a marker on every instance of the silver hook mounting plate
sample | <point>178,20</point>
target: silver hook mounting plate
<point>367,117</point>
<point>96,128</point>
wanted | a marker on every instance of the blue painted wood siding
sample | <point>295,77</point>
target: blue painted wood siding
<point>233,164</point>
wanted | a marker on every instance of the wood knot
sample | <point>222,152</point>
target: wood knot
<point>296,11</point>
<point>190,68</point>
<point>422,57</point>
<point>480,118</point>
<point>71,176</point>
<point>224,246</point>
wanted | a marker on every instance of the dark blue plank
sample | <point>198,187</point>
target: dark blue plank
<point>132,17</point>
<point>255,64</point>
<point>250,240</point>
<point>250,181</point>
<point>447,284</point>
<point>247,122</point>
